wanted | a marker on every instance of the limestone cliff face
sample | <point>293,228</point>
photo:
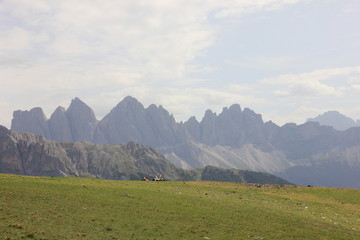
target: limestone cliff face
<point>33,121</point>
<point>29,154</point>
<point>77,123</point>
<point>82,123</point>
<point>59,126</point>
<point>126,122</point>
<point>130,121</point>
<point>192,126</point>
<point>235,138</point>
<point>232,127</point>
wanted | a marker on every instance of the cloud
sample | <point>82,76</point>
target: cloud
<point>240,87</point>
<point>101,51</point>
<point>330,82</point>
<point>15,39</point>
<point>308,89</point>
<point>48,42</point>
<point>154,39</point>
<point>267,63</point>
<point>234,7</point>
<point>18,39</point>
<point>356,87</point>
<point>354,79</point>
<point>157,39</point>
<point>317,75</point>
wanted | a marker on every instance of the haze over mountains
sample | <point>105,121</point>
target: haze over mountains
<point>29,154</point>
<point>235,138</point>
<point>335,120</point>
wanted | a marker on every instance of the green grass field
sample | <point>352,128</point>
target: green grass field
<point>78,208</point>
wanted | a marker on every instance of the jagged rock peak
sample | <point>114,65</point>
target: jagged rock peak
<point>59,126</point>
<point>335,119</point>
<point>128,102</point>
<point>76,99</point>
<point>33,121</point>
<point>3,130</point>
<point>235,108</point>
<point>36,111</point>
<point>78,108</point>
<point>248,110</point>
<point>209,114</point>
<point>253,115</point>
<point>59,109</point>
<point>77,102</point>
<point>234,112</point>
<point>271,123</point>
<point>152,107</point>
<point>82,122</point>
<point>160,108</point>
<point>130,99</point>
<point>192,119</point>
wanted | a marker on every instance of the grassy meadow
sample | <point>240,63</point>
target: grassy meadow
<point>79,208</point>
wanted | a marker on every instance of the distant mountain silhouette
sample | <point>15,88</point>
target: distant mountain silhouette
<point>336,120</point>
<point>304,154</point>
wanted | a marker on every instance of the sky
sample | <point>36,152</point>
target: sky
<point>287,60</point>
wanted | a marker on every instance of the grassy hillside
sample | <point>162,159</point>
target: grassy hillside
<point>78,208</point>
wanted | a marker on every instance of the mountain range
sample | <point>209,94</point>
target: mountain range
<point>306,154</point>
<point>30,154</point>
<point>336,120</point>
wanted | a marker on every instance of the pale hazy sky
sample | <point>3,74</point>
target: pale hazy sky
<point>285,59</point>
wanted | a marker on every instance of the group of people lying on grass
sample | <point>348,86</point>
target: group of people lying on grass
<point>155,178</point>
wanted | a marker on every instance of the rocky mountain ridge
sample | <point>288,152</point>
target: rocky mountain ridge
<point>304,154</point>
<point>336,120</point>
<point>30,154</point>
